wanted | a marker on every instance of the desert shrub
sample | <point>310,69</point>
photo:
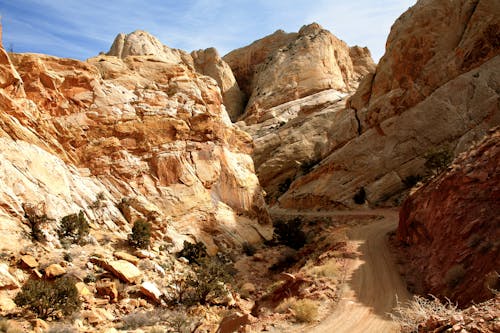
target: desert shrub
<point>35,222</point>
<point>89,278</point>
<point>209,279</point>
<point>181,323</point>
<point>286,305</point>
<point>283,187</point>
<point>454,275</point>
<point>439,160</point>
<point>139,319</point>
<point>305,310</point>
<point>329,269</point>
<point>73,228</point>
<point>193,251</point>
<point>46,298</point>
<point>284,262</point>
<point>290,233</point>
<point>412,180</point>
<point>141,234</point>
<point>360,196</point>
<point>248,249</point>
<point>67,257</point>
<point>418,310</point>
<point>307,166</point>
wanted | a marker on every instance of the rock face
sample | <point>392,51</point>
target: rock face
<point>145,133</point>
<point>435,102</point>
<point>308,129</point>
<point>206,62</point>
<point>450,227</point>
<point>284,67</point>
<point>430,44</point>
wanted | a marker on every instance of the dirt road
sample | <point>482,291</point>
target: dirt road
<point>372,282</point>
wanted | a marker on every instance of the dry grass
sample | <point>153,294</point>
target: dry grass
<point>305,310</point>
<point>417,310</point>
<point>328,270</point>
<point>286,305</point>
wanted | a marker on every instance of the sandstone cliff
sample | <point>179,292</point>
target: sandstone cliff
<point>429,45</point>
<point>450,231</point>
<point>297,83</point>
<point>284,67</point>
<point>443,100</point>
<point>144,133</point>
<point>206,62</point>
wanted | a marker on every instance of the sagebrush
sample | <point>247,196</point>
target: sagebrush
<point>48,298</point>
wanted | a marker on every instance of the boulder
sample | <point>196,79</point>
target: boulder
<point>126,256</point>
<point>7,281</point>
<point>150,290</point>
<point>28,261</point>
<point>54,270</point>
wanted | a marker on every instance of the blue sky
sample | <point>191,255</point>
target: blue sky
<point>81,29</point>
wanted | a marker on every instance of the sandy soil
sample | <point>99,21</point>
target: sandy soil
<point>372,285</point>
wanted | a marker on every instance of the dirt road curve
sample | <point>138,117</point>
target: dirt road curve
<point>372,282</point>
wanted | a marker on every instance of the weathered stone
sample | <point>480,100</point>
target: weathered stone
<point>7,281</point>
<point>6,304</point>
<point>107,289</point>
<point>126,256</point>
<point>54,270</point>
<point>124,270</point>
<point>149,289</point>
<point>29,261</point>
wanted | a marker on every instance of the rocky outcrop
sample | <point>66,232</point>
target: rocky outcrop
<point>208,62</point>
<point>143,133</point>
<point>292,66</point>
<point>453,109</point>
<point>430,44</point>
<point>246,61</point>
<point>296,136</point>
<point>449,227</point>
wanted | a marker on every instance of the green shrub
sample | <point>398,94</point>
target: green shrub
<point>193,251</point>
<point>46,298</point>
<point>68,257</point>
<point>141,234</point>
<point>210,276</point>
<point>439,160</point>
<point>360,196</point>
<point>73,228</point>
<point>290,233</point>
<point>412,180</point>
<point>35,223</point>
<point>248,249</point>
<point>283,187</point>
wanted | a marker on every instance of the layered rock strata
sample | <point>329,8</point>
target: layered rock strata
<point>450,231</point>
<point>429,94</point>
<point>141,137</point>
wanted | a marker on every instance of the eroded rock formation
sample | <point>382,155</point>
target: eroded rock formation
<point>450,231</point>
<point>145,132</point>
<point>206,62</point>
<point>284,67</point>
<point>435,89</point>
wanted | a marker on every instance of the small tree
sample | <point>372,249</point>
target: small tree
<point>193,252</point>
<point>210,276</point>
<point>73,227</point>
<point>46,298</point>
<point>141,234</point>
<point>290,233</point>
